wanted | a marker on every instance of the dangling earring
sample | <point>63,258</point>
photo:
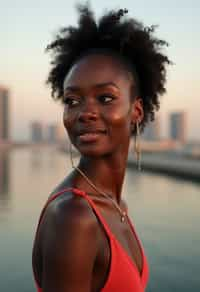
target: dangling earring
<point>137,147</point>
<point>70,152</point>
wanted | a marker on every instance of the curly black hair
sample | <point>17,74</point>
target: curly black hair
<point>125,36</point>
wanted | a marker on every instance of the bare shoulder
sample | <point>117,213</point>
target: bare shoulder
<point>69,245</point>
<point>70,213</point>
<point>66,183</point>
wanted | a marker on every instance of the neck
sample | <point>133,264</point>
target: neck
<point>106,173</point>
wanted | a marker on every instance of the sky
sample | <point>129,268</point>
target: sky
<point>28,26</point>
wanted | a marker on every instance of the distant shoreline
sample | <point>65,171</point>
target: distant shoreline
<point>172,164</point>
<point>169,164</point>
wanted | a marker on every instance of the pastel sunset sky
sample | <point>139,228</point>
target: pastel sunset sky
<point>28,26</point>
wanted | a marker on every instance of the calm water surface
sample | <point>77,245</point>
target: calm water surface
<point>165,212</point>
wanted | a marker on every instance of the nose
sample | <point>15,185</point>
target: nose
<point>88,112</point>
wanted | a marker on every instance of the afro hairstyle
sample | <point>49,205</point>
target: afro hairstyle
<point>124,36</point>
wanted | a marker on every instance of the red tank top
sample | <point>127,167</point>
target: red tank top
<point>123,274</point>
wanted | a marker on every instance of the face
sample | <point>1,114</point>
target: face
<point>99,112</point>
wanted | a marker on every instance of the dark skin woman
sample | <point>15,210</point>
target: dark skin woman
<point>103,101</point>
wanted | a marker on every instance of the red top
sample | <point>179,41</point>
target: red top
<point>123,274</point>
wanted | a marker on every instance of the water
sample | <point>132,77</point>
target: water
<point>165,211</point>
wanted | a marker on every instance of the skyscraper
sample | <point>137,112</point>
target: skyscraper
<point>152,130</point>
<point>55,133</point>
<point>37,132</point>
<point>178,126</point>
<point>4,113</point>
<point>51,135</point>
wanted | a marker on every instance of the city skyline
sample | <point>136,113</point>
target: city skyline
<point>4,114</point>
<point>153,130</point>
<point>24,65</point>
<point>177,129</point>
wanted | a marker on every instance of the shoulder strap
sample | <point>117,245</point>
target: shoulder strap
<point>46,204</point>
<point>94,208</point>
<point>79,193</point>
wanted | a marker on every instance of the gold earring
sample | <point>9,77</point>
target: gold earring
<point>137,147</point>
<point>70,152</point>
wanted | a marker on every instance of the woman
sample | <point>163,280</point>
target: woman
<point>109,76</point>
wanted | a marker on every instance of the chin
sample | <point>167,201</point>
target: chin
<point>93,151</point>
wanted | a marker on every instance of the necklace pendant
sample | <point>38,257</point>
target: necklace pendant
<point>123,216</point>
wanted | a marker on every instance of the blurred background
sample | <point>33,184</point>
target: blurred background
<point>163,199</point>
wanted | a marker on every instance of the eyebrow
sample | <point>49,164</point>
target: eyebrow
<point>98,85</point>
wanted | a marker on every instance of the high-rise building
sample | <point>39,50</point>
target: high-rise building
<point>51,133</point>
<point>4,175</point>
<point>37,132</point>
<point>152,130</point>
<point>178,126</point>
<point>55,133</point>
<point>4,113</point>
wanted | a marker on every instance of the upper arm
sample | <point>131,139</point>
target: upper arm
<point>69,248</point>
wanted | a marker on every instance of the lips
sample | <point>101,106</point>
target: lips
<point>90,131</point>
<point>90,135</point>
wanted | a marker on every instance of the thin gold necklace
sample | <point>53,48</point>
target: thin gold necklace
<point>122,213</point>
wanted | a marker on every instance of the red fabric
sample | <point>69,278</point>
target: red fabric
<point>123,275</point>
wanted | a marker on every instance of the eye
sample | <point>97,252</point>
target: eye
<point>106,98</point>
<point>71,101</point>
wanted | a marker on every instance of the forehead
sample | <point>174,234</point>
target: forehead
<point>97,68</point>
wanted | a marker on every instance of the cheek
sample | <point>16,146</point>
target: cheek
<point>69,122</point>
<point>120,119</point>
<point>67,119</point>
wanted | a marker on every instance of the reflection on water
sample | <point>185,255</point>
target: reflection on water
<point>35,159</point>
<point>165,211</point>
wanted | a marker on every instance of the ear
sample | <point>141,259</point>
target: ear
<point>137,111</point>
